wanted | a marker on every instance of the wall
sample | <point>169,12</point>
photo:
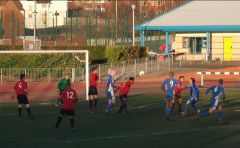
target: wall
<point>217,45</point>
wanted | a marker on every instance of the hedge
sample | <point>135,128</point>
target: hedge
<point>98,54</point>
<point>123,53</point>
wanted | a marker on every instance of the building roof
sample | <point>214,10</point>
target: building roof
<point>198,16</point>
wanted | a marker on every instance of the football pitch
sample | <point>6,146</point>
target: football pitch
<point>143,127</point>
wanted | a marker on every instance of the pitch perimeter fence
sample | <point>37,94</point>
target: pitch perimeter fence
<point>124,69</point>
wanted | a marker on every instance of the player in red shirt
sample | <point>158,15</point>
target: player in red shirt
<point>21,92</point>
<point>178,93</point>
<point>123,92</point>
<point>93,93</point>
<point>68,99</point>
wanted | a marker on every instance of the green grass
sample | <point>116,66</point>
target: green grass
<point>144,127</point>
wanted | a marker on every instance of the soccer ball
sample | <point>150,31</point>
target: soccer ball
<point>141,73</point>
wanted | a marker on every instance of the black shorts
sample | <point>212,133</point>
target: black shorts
<point>93,90</point>
<point>22,99</point>
<point>67,112</point>
<point>123,97</point>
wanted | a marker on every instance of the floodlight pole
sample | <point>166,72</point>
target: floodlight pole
<point>133,32</point>
<point>34,30</point>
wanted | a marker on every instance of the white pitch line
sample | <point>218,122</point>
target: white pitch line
<point>44,104</point>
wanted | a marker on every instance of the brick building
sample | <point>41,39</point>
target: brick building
<point>12,21</point>
<point>111,7</point>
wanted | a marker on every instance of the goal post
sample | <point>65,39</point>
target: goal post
<point>86,52</point>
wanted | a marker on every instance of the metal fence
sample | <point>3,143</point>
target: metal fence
<point>124,70</point>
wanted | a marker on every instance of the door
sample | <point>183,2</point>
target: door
<point>227,48</point>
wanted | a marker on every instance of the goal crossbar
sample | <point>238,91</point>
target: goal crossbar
<point>57,51</point>
<point>43,51</point>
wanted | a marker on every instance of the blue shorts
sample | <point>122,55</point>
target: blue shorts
<point>191,101</point>
<point>110,95</point>
<point>214,103</point>
<point>168,96</point>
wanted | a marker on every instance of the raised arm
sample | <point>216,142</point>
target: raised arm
<point>209,89</point>
<point>113,83</point>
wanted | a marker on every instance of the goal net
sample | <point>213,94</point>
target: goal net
<point>44,69</point>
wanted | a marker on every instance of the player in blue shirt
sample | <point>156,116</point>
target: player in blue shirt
<point>110,90</point>
<point>217,92</point>
<point>168,87</point>
<point>193,98</point>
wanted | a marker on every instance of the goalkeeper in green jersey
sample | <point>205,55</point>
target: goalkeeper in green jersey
<point>62,85</point>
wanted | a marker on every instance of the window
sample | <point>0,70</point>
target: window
<point>204,42</point>
<point>195,44</point>
<point>186,43</point>
<point>99,1</point>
